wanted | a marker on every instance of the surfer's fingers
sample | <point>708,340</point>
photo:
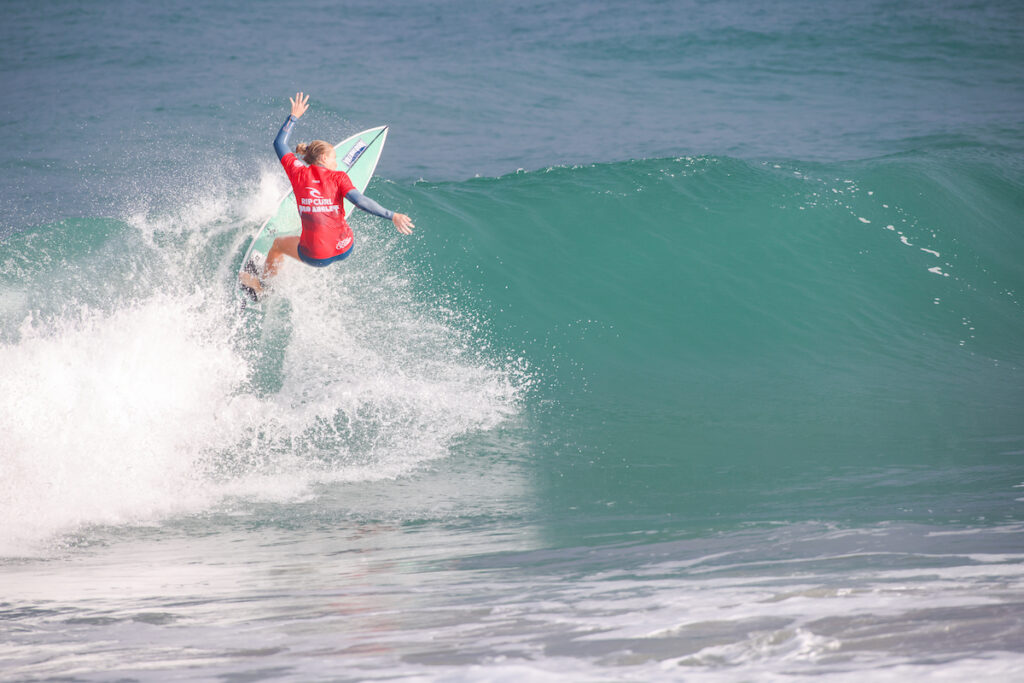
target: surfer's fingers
<point>299,104</point>
<point>403,223</point>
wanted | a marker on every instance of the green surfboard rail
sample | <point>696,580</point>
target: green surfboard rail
<point>357,155</point>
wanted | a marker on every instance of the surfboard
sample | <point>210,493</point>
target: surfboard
<point>357,155</point>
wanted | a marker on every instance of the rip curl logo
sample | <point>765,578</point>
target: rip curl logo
<point>316,203</point>
<point>343,243</point>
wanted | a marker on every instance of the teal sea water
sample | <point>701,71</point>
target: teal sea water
<point>705,361</point>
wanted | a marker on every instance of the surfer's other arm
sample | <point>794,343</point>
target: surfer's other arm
<point>401,221</point>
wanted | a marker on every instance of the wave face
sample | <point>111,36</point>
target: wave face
<point>754,339</point>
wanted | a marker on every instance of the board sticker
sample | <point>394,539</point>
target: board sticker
<point>354,153</point>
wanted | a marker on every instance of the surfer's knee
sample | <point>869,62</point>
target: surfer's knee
<point>282,246</point>
<point>287,246</point>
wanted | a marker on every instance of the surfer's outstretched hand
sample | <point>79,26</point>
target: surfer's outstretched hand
<point>403,223</point>
<point>299,104</point>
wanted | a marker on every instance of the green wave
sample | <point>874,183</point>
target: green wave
<point>712,333</point>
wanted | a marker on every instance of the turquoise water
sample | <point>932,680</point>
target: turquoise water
<point>704,362</point>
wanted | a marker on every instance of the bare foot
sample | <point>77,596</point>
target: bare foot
<point>251,281</point>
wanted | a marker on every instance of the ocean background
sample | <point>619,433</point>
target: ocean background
<point>705,362</point>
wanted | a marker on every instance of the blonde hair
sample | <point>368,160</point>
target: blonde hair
<point>313,152</point>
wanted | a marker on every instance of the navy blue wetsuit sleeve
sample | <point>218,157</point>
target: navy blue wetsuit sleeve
<point>281,141</point>
<point>368,205</point>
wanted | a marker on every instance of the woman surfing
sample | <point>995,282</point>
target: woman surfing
<point>319,190</point>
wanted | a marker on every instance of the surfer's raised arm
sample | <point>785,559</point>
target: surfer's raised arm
<point>300,104</point>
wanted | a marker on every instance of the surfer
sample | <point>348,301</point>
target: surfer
<point>319,188</point>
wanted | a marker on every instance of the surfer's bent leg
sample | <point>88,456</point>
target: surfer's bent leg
<point>283,246</point>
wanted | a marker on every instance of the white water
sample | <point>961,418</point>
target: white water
<point>165,401</point>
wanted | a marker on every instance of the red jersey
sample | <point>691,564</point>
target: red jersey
<point>319,194</point>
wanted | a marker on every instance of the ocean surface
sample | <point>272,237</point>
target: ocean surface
<point>705,361</point>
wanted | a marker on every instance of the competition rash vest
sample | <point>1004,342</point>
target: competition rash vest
<point>318,194</point>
